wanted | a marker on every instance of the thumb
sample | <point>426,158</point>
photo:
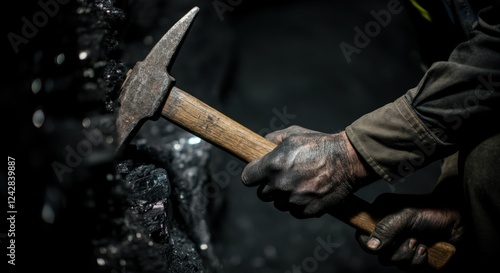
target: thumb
<point>387,230</point>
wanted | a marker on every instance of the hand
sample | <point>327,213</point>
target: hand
<point>402,237</point>
<point>308,173</point>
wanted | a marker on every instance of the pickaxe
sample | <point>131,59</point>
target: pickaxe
<point>149,92</point>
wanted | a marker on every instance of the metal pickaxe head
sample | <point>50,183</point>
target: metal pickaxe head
<point>147,85</point>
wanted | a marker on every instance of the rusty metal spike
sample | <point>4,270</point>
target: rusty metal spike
<point>148,83</point>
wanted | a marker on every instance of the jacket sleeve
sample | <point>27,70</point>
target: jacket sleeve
<point>455,101</point>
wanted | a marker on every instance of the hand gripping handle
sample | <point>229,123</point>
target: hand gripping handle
<point>214,127</point>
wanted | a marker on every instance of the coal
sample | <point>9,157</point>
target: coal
<point>84,208</point>
<point>163,227</point>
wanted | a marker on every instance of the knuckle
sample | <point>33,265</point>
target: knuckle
<point>408,214</point>
<point>277,160</point>
<point>274,164</point>
<point>272,136</point>
<point>294,128</point>
<point>384,229</point>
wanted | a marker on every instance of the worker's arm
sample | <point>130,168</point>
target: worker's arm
<point>455,101</point>
<point>311,172</point>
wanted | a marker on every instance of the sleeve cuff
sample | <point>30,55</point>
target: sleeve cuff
<point>394,141</point>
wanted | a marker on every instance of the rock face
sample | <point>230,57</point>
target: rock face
<point>144,211</point>
<point>163,226</point>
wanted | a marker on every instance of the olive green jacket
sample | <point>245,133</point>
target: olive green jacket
<point>455,101</point>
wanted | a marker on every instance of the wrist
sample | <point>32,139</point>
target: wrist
<point>362,172</point>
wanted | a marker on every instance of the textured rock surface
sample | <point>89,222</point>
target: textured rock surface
<point>162,228</point>
<point>92,211</point>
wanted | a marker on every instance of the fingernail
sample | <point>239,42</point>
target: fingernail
<point>421,250</point>
<point>412,243</point>
<point>373,243</point>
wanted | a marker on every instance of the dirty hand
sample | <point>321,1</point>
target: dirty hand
<point>414,222</point>
<point>308,173</point>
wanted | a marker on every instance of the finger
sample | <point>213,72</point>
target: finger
<point>301,211</point>
<point>413,263</point>
<point>281,199</point>
<point>280,135</point>
<point>305,205</point>
<point>264,193</point>
<point>297,212</point>
<point>362,239</point>
<point>281,203</point>
<point>405,252</point>
<point>297,206</point>
<point>420,257</point>
<point>315,209</point>
<point>387,230</point>
<point>254,173</point>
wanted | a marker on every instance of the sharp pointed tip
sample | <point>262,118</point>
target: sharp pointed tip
<point>195,10</point>
<point>189,17</point>
<point>164,50</point>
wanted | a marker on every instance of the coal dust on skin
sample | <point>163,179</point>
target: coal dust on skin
<point>139,212</point>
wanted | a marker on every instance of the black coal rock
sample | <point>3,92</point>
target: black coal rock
<point>84,209</point>
<point>146,237</point>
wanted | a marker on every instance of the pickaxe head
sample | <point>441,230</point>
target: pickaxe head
<point>147,85</point>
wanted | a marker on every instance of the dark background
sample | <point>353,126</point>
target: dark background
<point>249,61</point>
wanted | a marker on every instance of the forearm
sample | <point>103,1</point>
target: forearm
<point>394,141</point>
<point>446,109</point>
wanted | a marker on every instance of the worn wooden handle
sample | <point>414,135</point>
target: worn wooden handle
<point>212,126</point>
<point>209,124</point>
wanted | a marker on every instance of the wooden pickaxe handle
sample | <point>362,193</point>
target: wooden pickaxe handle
<point>216,128</point>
